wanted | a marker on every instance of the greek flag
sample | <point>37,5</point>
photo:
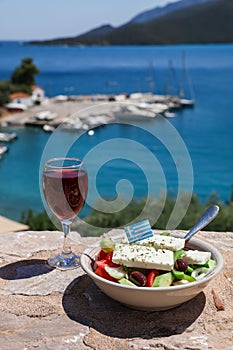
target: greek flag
<point>138,231</point>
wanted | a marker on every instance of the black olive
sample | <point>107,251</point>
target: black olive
<point>138,278</point>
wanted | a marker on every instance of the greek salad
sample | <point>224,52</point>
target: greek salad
<point>158,261</point>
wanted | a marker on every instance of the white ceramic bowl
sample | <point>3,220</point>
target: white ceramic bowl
<point>153,299</point>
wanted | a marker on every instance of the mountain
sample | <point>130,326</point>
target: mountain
<point>102,30</point>
<point>184,22</point>
<point>161,11</point>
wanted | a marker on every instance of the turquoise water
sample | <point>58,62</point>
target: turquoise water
<point>206,130</point>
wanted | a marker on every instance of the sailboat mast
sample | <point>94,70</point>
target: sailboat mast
<point>184,75</point>
<point>182,83</point>
<point>151,78</point>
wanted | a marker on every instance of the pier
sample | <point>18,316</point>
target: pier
<point>85,111</point>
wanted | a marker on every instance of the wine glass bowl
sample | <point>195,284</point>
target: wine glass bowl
<point>65,185</point>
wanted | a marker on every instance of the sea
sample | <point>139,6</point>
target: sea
<point>192,151</point>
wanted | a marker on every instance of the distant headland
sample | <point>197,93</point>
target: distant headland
<point>182,22</point>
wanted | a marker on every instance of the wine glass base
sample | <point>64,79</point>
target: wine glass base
<point>69,262</point>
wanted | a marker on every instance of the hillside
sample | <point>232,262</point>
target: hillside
<point>204,22</point>
<point>164,10</point>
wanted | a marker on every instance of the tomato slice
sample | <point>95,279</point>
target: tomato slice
<point>109,256</point>
<point>109,259</point>
<point>102,255</point>
<point>151,277</point>
<point>100,271</point>
<point>101,263</point>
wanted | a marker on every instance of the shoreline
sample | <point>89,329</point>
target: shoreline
<point>84,111</point>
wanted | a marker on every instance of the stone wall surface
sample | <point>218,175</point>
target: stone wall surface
<point>42,308</point>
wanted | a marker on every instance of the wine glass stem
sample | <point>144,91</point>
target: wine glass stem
<point>66,243</point>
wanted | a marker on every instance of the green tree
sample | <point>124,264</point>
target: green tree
<point>22,78</point>
<point>5,90</point>
<point>4,99</point>
<point>37,221</point>
<point>100,222</point>
<point>25,73</point>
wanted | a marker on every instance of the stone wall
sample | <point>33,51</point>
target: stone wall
<point>41,308</point>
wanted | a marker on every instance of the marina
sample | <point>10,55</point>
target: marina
<point>87,112</point>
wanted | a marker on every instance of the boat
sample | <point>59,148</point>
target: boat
<point>87,122</point>
<point>16,107</point>
<point>184,101</point>
<point>179,100</point>
<point>155,107</point>
<point>134,112</point>
<point>173,103</point>
<point>76,124</point>
<point>48,128</point>
<point>97,120</point>
<point>45,115</point>
<point>168,114</point>
<point>7,137</point>
<point>3,150</point>
<point>61,98</point>
<point>73,123</point>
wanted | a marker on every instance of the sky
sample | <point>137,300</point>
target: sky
<point>47,19</point>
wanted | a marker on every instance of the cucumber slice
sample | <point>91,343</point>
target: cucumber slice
<point>163,280</point>
<point>115,272</point>
<point>127,282</point>
<point>211,263</point>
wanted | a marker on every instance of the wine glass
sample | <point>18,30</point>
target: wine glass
<point>65,185</point>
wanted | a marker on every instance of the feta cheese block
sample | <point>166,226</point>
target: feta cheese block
<point>163,242</point>
<point>196,257</point>
<point>147,257</point>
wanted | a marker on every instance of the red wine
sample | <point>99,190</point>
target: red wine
<point>65,191</point>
